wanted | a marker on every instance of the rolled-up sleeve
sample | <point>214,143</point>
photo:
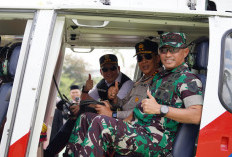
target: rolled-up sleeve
<point>93,93</point>
<point>191,93</point>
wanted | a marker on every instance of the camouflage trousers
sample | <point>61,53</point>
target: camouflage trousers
<point>95,134</point>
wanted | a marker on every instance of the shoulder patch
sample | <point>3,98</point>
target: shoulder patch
<point>192,86</point>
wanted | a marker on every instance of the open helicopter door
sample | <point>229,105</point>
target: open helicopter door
<point>215,138</point>
<point>42,36</point>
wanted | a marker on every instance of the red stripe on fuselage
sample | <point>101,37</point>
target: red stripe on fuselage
<point>215,139</point>
<point>19,147</point>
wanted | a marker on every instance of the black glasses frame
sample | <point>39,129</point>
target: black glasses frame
<point>113,68</point>
<point>172,50</point>
<point>147,56</point>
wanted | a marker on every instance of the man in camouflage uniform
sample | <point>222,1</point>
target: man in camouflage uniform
<point>176,97</point>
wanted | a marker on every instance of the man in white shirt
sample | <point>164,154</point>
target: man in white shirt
<point>110,70</point>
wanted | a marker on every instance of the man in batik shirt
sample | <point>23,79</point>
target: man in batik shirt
<point>176,97</point>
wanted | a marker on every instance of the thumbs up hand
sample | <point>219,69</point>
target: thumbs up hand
<point>150,105</point>
<point>113,91</point>
<point>116,85</point>
<point>89,84</point>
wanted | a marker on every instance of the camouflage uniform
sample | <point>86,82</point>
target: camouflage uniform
<point>147,134</point>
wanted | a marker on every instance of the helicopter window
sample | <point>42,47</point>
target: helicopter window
<point>88,63</point>
<point>225,84</point>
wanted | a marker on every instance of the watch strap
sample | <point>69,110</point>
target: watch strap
<point>114,114</point>
<point>83,90</point>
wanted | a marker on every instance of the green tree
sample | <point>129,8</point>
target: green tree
<point>73,72</point>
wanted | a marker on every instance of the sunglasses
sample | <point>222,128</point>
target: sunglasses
<point>147,56</point>
<point>172,50</point>
<point>113,68</point>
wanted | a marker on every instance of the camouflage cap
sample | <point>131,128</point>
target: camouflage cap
<point>108,58</point>
<point>146,46</point>
<point>174,39</point>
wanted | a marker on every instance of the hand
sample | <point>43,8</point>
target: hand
<point>89,84</point>
<point>150,105</point>
<point>113,91</point>
<point>104,110</point>
<point>74,109</point>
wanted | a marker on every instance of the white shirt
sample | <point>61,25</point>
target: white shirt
<point>126,87</point>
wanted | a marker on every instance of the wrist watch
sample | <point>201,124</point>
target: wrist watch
<point>83,90</point>
<point>114,114</point>
<point>163,110</point>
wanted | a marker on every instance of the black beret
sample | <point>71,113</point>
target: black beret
<point>74,87</point>
<point>108,58</point>
<point>146,46</point>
